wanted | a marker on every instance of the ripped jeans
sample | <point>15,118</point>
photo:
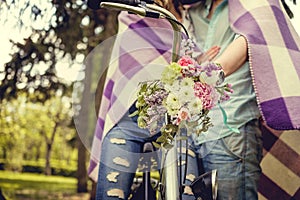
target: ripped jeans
<point>122,149</point>
<point>236,157</point>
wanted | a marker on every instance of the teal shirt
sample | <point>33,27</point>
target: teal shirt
<point>242,106</point>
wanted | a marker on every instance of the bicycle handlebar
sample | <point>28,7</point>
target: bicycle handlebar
<point>95,4</point>
<point>131,8</point>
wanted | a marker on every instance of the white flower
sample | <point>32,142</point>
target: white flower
<point>211,79</point>
<point>186,94</point>
<point>172,104</point>
<point>189,82</point>
<point>195,106</point>
<point>172,111</point>
<point>174,87</point>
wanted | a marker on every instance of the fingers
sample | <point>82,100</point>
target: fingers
<point>212,53</point>
<point>209,55</point>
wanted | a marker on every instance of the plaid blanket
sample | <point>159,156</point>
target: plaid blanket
<point>143,47</point>
<point>274,56</point>
<point>274,53</point>
<point>280,165</point>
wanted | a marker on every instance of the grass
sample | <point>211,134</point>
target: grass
<point>27,186</point>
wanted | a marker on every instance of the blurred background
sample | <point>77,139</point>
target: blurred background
<point>44,86</point>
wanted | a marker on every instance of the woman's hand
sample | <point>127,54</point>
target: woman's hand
<point>209,55</point>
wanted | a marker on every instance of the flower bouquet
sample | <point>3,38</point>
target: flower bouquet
<point>184,95</point>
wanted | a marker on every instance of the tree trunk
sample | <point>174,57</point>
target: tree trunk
<point>38,152</point>
<point>81,168</point>
<point>49,143</point>
<point>48,156</point>
<point>83,129</point>
<point>93,191</point>
<point>1,195</point>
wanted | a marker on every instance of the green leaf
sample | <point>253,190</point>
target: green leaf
<point>134,113</point>
<point>161,139</point>
<point>156,145</point>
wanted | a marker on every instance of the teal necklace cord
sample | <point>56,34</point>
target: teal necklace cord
<point>235,130</point>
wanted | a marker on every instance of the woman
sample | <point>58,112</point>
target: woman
<point>246,45</point>
<point>236,156</point>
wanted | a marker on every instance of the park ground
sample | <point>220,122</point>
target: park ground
<point>30,186</point>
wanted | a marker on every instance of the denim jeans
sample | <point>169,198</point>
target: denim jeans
<point>236,158</point>
<point>122,149</point>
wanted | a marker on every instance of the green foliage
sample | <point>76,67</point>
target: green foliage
<point>26,129</point>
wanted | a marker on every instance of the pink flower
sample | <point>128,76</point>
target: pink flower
<point>188,66</point>
<point>183,114</point>
<point>229,86</point>
<point>206,93</point>
<point>225,97</point>
<point>186,61</point>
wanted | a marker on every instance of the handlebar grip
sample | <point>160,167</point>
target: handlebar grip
<point>95,4</point>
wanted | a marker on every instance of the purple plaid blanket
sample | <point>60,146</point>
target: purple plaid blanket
<point>274,54</point>
<point>280,165</point>
<point>142,49</point>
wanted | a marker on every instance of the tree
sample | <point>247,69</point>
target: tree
<point>26,125</point>
<point>72,30</point>
<point>60,116</point>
